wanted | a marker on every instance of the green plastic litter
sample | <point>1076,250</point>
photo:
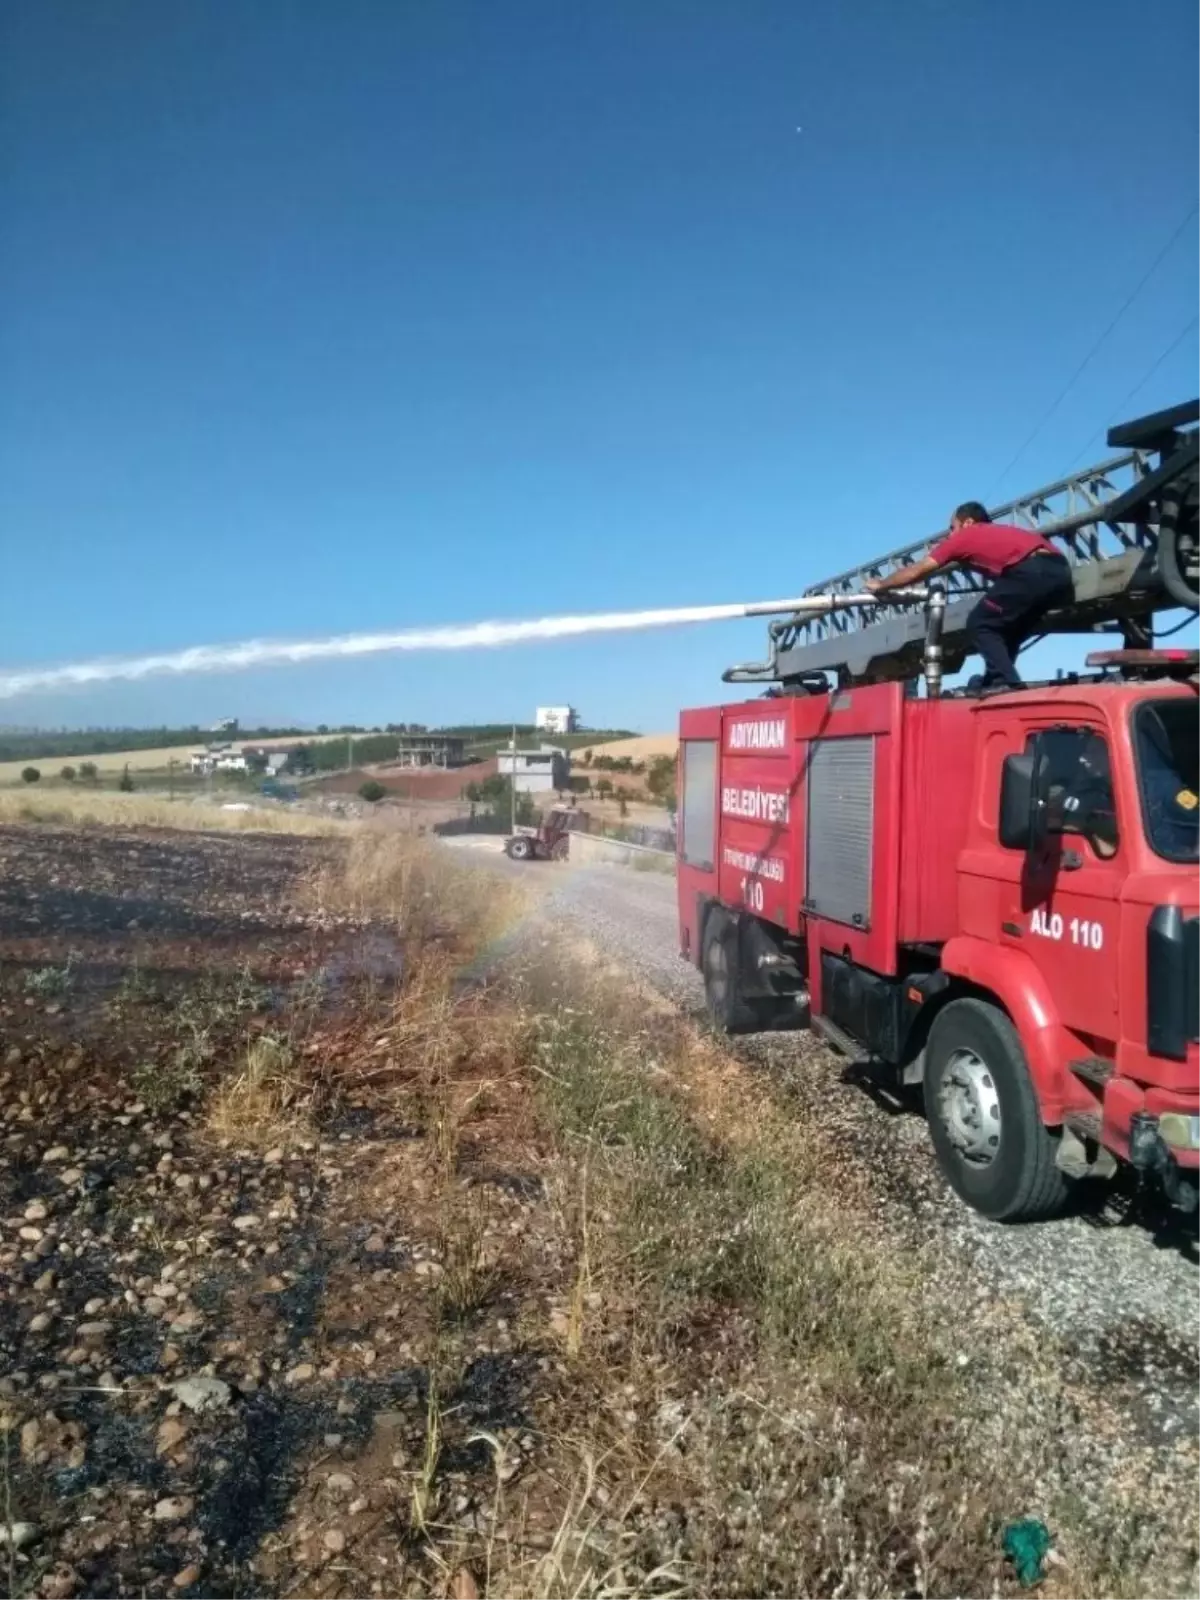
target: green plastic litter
<point>1026,1544</point>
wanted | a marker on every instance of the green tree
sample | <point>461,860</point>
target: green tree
<point>126,783</point>
<point>604,787</point>
<point>30,775</point>
<point>68,774</point>
<point>371,791</point>
<point>623,804</point>
<point>89,771</point>
<point>660,778</point>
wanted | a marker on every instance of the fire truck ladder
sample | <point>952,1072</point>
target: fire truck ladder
<point>1127,526</point>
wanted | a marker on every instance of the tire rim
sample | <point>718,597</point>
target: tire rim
<point>969,1105</point>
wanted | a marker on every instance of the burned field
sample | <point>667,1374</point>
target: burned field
<point>364,1231</point>
<point>228,1360</point>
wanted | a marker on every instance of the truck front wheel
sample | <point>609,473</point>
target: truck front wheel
<point>520,848</point>
<point>727,1006</point>
<point>983,1116</point>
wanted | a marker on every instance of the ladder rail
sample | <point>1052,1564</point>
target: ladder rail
<point>1104,517</point>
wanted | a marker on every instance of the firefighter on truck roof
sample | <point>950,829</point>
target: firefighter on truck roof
<point>1029,577</point>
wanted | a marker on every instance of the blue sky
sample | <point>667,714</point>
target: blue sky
<point>326,317</point>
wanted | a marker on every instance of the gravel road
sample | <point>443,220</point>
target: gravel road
<point>1117,1285</point>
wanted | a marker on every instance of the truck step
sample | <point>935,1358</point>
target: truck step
<point>839,1039</point>
<point>1094,1069</point>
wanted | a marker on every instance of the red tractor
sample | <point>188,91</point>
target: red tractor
<point>550,840</point>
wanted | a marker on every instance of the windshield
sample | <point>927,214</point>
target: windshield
<point>1165,738</point>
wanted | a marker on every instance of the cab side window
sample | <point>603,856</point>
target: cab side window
<point>1081,797</point>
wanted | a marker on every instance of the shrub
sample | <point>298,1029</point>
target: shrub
<point>89,771</point>
<point>371,791</point>
<point>30,775</point>
<point>67,774</point>
<point>126,783</point>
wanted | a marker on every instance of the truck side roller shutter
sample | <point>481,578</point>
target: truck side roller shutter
<point>841,788</point>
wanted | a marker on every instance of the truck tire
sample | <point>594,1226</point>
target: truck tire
<point>561,851</point>
<point>730,1011</point>
<point>520,848</point>
<point>987,1130</point>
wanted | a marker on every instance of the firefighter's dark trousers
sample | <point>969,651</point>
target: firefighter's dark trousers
<point>1011,610</point>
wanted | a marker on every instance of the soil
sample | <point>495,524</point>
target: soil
<point>141,1247</point>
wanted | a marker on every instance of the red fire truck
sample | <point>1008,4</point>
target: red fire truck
<point>993,896</point>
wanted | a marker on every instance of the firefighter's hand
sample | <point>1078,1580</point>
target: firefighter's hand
<point>873,585</point>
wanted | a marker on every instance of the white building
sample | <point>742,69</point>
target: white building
<point>533,771</point>
<point>556,719</point>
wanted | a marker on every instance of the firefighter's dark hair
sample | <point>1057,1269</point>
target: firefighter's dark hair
<point>972,511</point>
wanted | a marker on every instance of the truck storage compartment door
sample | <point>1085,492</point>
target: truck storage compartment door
<point>841,789</point>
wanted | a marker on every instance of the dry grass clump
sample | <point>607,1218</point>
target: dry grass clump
<point>429,896</point>
<point>74,807</point>
<point>268,1101</point>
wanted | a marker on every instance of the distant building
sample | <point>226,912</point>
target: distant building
<point>535,771</point>
<point>430,750</point>
<point>556,719</point>
<point>219,760</point>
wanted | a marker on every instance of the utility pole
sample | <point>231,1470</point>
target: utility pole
<point>349,752</point>
<point>512,781</point>
<point>171,778</point>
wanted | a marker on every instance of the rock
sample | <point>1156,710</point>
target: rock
<point>375,1245</point>
<point>244,1223</point>
<point>173,1509</point>
<point>334,1541</point>
<point>340,1483</point>
<point>186,1577</point>
<point>36,1211</point>
<point>59,1584</point>
<point>300,1374</point>
<point>30,1234</point>
<point>93,1332</point>
<point>171,1432</point>
<point>58,1152</point>
<point>359,1505</point>
<point>45,1283</point>
<point>71,1176</point>
<point>463,1585</point>
<point>153,1306</point>
<point>202,1394</point>
<point>273,1157</point>
<point>94,1307</point>
<point>29,1439</point>
<point>41,1322</point>
<point>333,1440</point>
<point>18,1535</point>
<point>170,1356</point>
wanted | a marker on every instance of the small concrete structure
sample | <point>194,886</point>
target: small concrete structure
<point>593,849</point>
<point>534,771</point>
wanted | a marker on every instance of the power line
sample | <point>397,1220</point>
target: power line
<point>1079,370</point>
<point>1139,386</point>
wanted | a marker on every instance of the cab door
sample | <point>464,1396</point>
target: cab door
<point>1060,901</point>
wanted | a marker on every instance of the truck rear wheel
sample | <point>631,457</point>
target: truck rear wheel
<point>727,1006</point>
<point>520,848</point>
<point>983,1116</point>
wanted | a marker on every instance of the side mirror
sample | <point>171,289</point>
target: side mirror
<point>1017,802</point>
